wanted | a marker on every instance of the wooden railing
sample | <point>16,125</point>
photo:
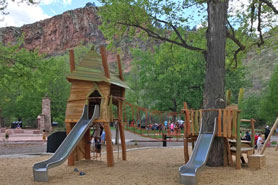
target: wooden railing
<point>227,122</point>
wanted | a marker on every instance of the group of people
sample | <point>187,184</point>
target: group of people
<point>173,127</point>
<point>98,138</point>
<point>259,138</point>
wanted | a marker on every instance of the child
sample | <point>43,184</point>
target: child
<point>7,134</point>
<point>44,136</point>
<point>103,137</point>
<point>98,147</point>
<point>259,143</point>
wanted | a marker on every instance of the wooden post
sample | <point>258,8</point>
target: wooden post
<point>185,105</point>
<point>87,139</point>
<point>192,123</point>
<point>253,132</point>
<point>185,135</point>
<point>219,123</point>
<point>122,132</point>
<point>230,158</point>
<point>269,136</point>
<point>187,114</point>
<point>71,156</point>
<point>120,67</point>
<point>104,61</point>
<point>225,123</point>
<point>238,144</point>
<point>234,124</point>
<point>71,57</point>
<point>196,126</point>
<point>109,147</point>
<point>229,117</point>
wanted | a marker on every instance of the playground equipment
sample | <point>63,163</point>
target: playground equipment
<point>93,85</point>
<point>188,172</point>
<point>257,161</point>
<point>40,170</point>
<point>227,126</point>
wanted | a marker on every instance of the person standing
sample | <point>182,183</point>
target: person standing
<point>7,134</point>
<point>266,131</point>
<point>44,136</point>
<point>165,124</point>
<point>259,143</point>
<point>172,126</point>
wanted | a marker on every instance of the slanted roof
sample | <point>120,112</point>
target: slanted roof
<point>90,68</point>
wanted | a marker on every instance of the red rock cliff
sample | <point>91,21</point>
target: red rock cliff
<point>54,35</point>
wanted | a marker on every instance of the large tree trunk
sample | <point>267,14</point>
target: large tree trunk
<point>215,72</point>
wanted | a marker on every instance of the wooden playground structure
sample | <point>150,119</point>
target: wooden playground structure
<point>93,84</point>
<point>228,127</point>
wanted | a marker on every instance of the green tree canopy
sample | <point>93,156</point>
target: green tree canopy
<point>156,19</point>
<point>161,80</point>
<point>269,102</point>
<point>26,77</point>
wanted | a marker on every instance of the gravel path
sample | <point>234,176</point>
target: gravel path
<point>22,148</point>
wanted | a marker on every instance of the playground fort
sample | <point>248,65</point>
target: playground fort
<point>95,90</point>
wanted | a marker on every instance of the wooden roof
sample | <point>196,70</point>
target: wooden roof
<point>90,68</point>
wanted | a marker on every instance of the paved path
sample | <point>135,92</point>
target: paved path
<point>27,136</point>
<point>27,142</point>
<point>130,137</point>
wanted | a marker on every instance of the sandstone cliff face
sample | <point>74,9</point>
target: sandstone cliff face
<point>54,35</point>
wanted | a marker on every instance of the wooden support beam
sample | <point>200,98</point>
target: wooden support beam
<point>269,136</point>
<point>109,147</point>
<point>185,135</point>
<point>235,117</point>
<point>104,61</point>
<point>224,123</point>
<point>120,67</point>
<point>238,144</point>
<point>71,156</point>
<point>196,126</point>
<point>185,105</point>
<point>122,132</point>
<point>72,62</point>
<point>253,132</point>
<point>229,121</point>
<point>192,122</point>
<point>87,143</point>
<point>245,120</point>
<point>187,112</point>
<point>219,123</point>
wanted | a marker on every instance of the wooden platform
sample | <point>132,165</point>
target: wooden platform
<point>247,150</point>
<point>256,161</point>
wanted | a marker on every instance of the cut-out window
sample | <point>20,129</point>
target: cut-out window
<point>93,99</point>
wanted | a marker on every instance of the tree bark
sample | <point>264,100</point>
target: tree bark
<point>213,96</point>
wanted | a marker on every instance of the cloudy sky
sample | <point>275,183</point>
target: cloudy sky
<point>21,13</point>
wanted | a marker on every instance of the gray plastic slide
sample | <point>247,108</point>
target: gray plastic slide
<point>40,170</point>
<point>188,172</point>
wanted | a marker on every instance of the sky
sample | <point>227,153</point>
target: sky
<point>22,13</point>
